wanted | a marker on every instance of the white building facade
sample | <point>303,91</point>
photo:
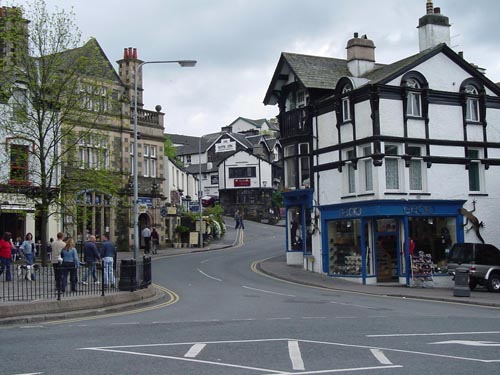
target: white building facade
<point>401,155</point>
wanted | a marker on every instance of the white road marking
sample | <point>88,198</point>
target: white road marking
<point>187,360</point>
<point>30,373</point>
<point>435,334</point>
<point>295,355</point>
<point>210,277</point>
<point>403,351</point>
<point>352,305</point>
<point>268,291</point>
<point>379,354</point>
<point>338,370</point>
<point>468,343</point>
<point>194,350</point>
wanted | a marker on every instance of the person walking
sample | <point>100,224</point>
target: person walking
<point>108,257</point>
<point>241,224</point>
<point>237,217</point>
<point>57,246</point>
<point>28,250</point>
<point>70,264</point>
<point>146,234</point>
<point>6,255</point>
<point>155,238</point>
<point>90,257</point>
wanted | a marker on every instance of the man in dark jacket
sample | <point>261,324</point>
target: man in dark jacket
<point>108,257</point>
<point>91,256</point>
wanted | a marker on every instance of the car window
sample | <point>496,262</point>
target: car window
<point>487,254</point>
<point>461,253</point>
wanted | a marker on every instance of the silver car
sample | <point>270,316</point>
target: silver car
<point>482,262</point>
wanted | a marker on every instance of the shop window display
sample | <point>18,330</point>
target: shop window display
<point>295,234</point>
<point>344,239</point>
<point>434,236</point>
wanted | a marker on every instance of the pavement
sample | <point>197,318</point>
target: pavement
<point>22,312</point>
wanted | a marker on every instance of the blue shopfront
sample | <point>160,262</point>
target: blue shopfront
<point>375,241</point>
<point>300,226</point>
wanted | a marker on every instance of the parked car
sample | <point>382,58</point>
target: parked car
<point>481,260</point>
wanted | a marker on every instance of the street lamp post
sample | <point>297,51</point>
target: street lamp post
<point>184,64</point>
<point>200,193</point>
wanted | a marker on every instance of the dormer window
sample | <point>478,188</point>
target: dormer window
<point>471,103</point>
<point>414,98</point>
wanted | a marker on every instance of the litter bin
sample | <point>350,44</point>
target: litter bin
<point>146,271</point>
<point>128,276</point>
<point>461,288</point>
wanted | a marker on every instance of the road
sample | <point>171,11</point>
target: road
<point>226,318</point>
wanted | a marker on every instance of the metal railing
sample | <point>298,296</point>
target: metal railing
<point>38,282</point>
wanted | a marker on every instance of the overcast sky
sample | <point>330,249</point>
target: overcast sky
<point>238,43</point>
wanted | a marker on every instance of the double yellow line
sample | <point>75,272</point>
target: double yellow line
<point>172,298</point>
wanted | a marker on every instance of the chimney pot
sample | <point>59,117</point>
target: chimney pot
<point>125,54</point>
<point>461,54</point>
<point>437,10</point>
<point>356,35</point>
<point>135,53</point>
<point>129,52</point>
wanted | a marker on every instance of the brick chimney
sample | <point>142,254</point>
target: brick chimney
<point>360,55</point>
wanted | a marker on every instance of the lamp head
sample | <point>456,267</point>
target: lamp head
<point>187,63</point>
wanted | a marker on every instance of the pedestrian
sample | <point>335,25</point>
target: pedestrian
<point>155,238</point>
<point>237,218</point>
<point>49,249</point>
<point>146,234</point>
<point>28,250</point>
<point>70,264</point>
<point>6,255</point>
<point>108,256</point>
<point>57,247</point>
<point>16,250</point>
<point>241,225</point>
<point>90,257</point>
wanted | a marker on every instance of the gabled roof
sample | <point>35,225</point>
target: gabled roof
<point>246,151</point>
<point>249,121</point>
<point>100,67</point>
<point>387,73</point>
<point>311,71</point>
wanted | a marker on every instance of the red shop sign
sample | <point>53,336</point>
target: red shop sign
<point>242,182</point>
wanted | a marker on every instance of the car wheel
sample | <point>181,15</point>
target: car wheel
<point>472,284</point>
<point>494,282</point>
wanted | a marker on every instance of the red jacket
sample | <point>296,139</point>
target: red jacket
<point>5,249</point>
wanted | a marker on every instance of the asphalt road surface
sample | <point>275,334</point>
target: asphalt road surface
<point>226,318</point>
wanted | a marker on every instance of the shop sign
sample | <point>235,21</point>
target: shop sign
<point>242,182</point>
<point>145,201</point>
<point>13,199</point>
<point>225,146</point>
<point>171,211</point>
<point>351,212</point>
<point>418,210</point>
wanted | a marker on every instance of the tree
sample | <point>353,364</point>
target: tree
<point>56,96</point>
<point>169,148</point>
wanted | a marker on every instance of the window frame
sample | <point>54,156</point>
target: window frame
<point>472,109</point>
<point>413,98</point>
<point>366,173</point>
<point>397,159</point>
<point>476,167</point>
<point>22,167</point>
<point>416,153</point>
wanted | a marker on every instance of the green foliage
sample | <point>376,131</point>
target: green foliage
<point>277,199</point>
<point>169,148</point>
<point>57,93</point>
<point>182,229</point>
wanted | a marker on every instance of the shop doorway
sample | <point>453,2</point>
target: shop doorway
<point>386,250</point>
